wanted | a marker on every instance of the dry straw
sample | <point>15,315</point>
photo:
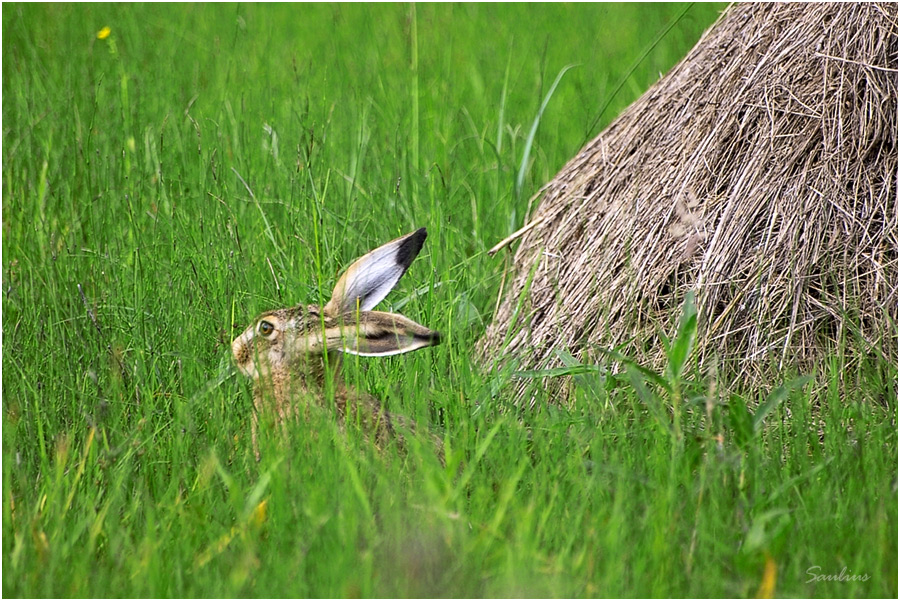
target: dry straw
<point>761,173</point>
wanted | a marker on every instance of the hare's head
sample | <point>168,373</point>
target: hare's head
<point>289,343</point>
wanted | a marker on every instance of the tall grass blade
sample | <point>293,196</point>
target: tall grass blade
<point>681,346</point>
<point>653,403</point>
<point>775,398</point>
<point>526,153</point>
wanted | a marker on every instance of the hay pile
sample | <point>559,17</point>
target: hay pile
<point>760,172</point>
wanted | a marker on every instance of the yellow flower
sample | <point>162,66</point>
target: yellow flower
<point>103,33</point>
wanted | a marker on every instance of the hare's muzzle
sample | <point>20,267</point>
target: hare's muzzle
<point>242,349</point>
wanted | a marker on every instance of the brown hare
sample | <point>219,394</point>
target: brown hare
<point>285,350</point>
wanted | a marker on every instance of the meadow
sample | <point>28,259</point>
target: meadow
<point>170,171</point>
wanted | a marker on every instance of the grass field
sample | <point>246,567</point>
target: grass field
<point>165,183</point>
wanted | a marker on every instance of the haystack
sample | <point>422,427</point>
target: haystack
<point>759,173</point>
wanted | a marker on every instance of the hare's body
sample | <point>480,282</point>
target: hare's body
<point>285,351</point>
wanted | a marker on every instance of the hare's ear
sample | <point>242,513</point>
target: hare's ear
<point>379,334</point>
<point>374,275</point>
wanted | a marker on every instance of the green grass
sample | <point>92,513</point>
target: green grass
<point>204,163</point>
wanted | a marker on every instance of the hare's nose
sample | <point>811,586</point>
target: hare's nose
<point>242,351</point>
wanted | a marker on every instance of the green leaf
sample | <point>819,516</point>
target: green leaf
<point>775,398</point>
<point>684,338</point>
<point>653,402</point>
<point>557,372</point>
<point>740,420</point>
<point>591,381</point>
<point>648,374</point>
<point>764,528</point>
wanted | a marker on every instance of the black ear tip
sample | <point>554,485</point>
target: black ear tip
<point>411,246</point>
<point>419,236</point>
<point>431,337</point>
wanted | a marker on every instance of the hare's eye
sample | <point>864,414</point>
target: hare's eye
<point>266,328</point>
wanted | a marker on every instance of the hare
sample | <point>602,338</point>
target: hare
<point>285,350</point>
